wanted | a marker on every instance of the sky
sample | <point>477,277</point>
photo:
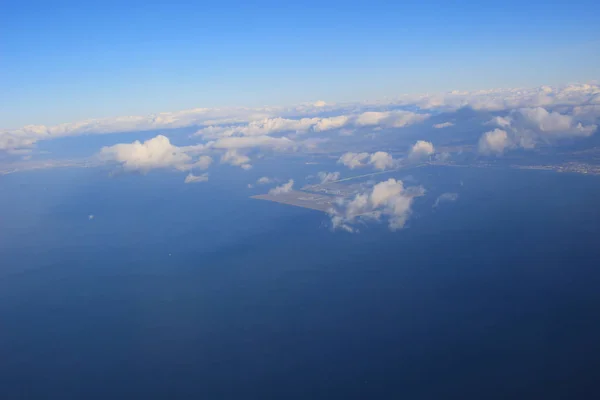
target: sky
<point>70,61</point>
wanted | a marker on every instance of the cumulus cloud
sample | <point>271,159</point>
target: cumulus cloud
<point>232,157</point>
<point>379,160</point>
<point>443,125</point>
<point>527,127</point>
<point>493,142</point>
<point>285,188</point>
<point>326,177</point>
<point>264,180</point>
<point>157,152</point>
<point>265,121</point>
<point>421,149</point>
<point>388,199</point>
<point>191,178</point>
<point>353,160</point>
<point>444,198</point>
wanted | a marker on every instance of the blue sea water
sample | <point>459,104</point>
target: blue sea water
<point>197,291</point>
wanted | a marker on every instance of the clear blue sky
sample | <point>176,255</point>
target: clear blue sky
<point>67,61</point>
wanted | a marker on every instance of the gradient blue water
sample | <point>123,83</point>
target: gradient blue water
<point>196,291</point>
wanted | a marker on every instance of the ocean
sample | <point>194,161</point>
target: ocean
<point>197,291</point>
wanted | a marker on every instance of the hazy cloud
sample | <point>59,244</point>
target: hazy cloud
<point>285,188</point>
<point>191,178</point>
<point>326,177</point>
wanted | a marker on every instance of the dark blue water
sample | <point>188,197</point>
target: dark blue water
<point>196,291</point>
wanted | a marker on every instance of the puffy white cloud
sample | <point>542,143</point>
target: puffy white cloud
<point>421,149</point>
<point>526,127</point>
<point>389,199</point>
<point>264,180</point>
<point>191,178</point>
<point>444,198</point>
<point>232,157</point>
<point>381,160</point>
<point>326,177</point>
<point>285,188</point>
<point>203,162</point>
<point>265,121</point>
<point>551,123</point>
<point>157,152</point>
<point>494,142</point>
<point>325,124</point>
<point>353,160</point>
<point>443,125</point>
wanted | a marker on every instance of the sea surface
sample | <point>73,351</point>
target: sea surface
<point>197,291</point>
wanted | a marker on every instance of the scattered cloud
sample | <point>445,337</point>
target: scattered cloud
<point>493,142</point>
<point>353,160</point>
<point>420,150</point>
<point>444,198</point>
<point>265,180</point>
<point>388,199</point>
<point>154,153</point>
<point>191,178</point>
<point>232,157</point>
<point>326,177</point>
<point>285,188</point>
<point>443,125</point>
<point>379,160</point>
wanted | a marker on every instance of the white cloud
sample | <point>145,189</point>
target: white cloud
<point>445,197</point>
<point>203,162</point>
<point>526,127</point>
<point>191,178</point>
<point>232,157</point>
<point>157,152</point>
<point>421,149</point>
<point>248,142</point>
<point>264,121</point>
<point>353,160</point>
<point>551,123</point>
<point>326,177</point>
<point>264,180</point>
<point>443,125</point>
<point>285,188</point>
<point>389,199</point>
<point>494,142</point>
<point>381,160</point>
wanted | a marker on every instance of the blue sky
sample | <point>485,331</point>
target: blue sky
<point>67,61</point>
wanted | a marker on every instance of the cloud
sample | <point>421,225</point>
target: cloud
<point>265,121</point>
<point>249,142</point>
<point>232,157</point>
<point>388,199</point>
<point>443,125</point>
<point>421,149</point>
<point>444,198</point>
<point>326,177</point>
<point>154,153</point>
<point>494,142</point>
<point>264,180</point>
<point>353,160</point>
<point>285,188</point>
<point>191,178</point>
<point>379,160</point>
<point>527,127</point>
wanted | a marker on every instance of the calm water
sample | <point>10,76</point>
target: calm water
<point>196,291</point>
